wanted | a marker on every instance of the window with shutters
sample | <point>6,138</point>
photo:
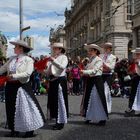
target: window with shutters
<point>129,9</point>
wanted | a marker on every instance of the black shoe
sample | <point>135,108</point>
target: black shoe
<point>87,122</point>
<point>129,113</point>
<point>101,123</point>
<point>58,126</point>
<point>29,134</point>
<point>12,134</point>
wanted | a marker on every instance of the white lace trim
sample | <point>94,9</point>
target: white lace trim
<point>27,115</point>
<point>108,97</point>
<point>62,113</point>
<point>136,104</point>
<point>95,111</point>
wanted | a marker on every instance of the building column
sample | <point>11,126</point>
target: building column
<point>134,38</point>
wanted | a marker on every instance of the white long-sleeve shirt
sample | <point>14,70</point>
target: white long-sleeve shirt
<point>94,68</point>
<point>58,66</point>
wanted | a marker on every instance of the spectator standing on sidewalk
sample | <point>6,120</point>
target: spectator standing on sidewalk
<point>70,86</point>
<point>76,79</point>
<point>36,85</point>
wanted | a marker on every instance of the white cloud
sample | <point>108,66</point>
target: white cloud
<point>41,23</point>
<point>41,44</point>
<point>45,5</point>
<point>9,22</point>
<point>10,49</point>
<point>38,14</point>
<point>32,10</point>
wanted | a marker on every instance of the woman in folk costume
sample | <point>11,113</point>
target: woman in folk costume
<point>134,99</point>
<point>57,106</point>
<point>22,108</point>
<point>109,61</point>
<point>93,105</point>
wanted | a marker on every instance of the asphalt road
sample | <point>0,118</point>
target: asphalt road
<point>118,127</point>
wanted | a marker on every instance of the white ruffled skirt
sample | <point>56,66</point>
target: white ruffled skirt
<point>27,115</point>
<point>136,104</point>
<point>95,111</point>
<point>62,113</point>
<point>108,97</point>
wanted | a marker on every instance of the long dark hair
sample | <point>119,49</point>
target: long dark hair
<point>62,50</point>
<point>26,50</point>
<point>97,51</point>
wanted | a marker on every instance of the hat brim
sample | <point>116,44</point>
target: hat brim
<point>87,47</point>
<point>107,45</point>
<point>59,47</point>
<point>21,44</point>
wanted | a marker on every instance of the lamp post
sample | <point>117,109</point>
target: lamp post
<point>21,19</point>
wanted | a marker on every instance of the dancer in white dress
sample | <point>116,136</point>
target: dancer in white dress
<point>57,106</point>
<point>22,108</point>
<point>134,99</point>
<point>109,61</point>
<point>93,106</point>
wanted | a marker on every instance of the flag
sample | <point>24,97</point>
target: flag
<point>41,65</point>
<point>3,80</point>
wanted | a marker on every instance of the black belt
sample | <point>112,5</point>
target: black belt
<point>52,78</point>
<point>13,81</point>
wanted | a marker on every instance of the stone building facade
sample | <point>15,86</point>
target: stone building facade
<point>136,24</point>
<point>30,41</point>
<point>57,35</point>
<point>98,21</point>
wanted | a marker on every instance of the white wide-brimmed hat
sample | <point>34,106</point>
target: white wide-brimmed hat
<point>107,45</point>
<point>58,45</point>
<point>137,50</point>
<point>21,43</point>
<point>92,46</point>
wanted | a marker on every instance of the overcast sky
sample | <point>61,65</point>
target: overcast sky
<point>40,15</point>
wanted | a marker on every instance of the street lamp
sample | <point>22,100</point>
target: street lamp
<point>21,19</point>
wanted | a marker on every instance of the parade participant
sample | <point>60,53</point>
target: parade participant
<point>93,105</point>
<point>134,99</point>
<point>57,106</point>
<point>109,61</point>
<point>22,108</point>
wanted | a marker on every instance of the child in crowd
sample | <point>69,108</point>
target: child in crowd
<point>70,87</point>
<point>116,91</point>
